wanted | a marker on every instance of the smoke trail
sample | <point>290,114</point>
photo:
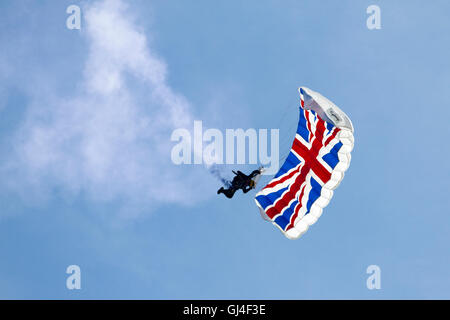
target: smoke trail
<point>216,172</point>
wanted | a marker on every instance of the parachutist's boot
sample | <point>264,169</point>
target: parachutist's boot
<point>220,190</point>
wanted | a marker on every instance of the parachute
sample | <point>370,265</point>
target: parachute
<point>320,154</point>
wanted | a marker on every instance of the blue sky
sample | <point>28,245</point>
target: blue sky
<point>85,122</point>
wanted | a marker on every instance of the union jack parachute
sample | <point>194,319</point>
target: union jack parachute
<point>295,198</point>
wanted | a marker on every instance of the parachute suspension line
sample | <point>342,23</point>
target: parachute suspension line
<point>283,159</point>
<point>285,143</point>
<point>287,140</point>
<point>287,109</point>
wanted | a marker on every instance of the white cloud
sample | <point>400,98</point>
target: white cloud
<point>111,141</point>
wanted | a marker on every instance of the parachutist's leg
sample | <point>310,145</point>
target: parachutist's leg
<point>220,190</point>
<point>246,189</point>
<point>229,193</point>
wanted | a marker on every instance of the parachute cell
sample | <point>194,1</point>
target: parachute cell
<point>295,198</point>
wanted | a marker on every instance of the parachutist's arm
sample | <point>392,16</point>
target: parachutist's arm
<point>254,173</point>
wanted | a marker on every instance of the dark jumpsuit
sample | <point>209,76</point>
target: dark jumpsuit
<point>240,181</point>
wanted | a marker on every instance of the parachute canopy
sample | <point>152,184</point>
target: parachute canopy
<point>295,198</point>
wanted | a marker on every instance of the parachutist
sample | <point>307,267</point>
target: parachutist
<point>240,181</point>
